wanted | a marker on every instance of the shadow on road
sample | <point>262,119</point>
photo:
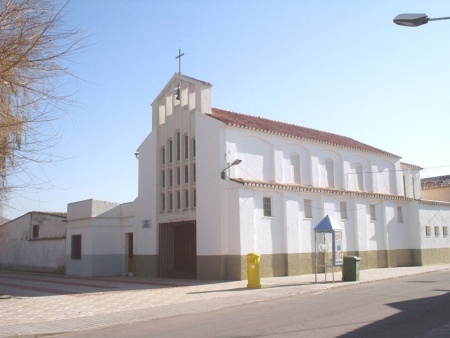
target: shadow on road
<point>412,311</point>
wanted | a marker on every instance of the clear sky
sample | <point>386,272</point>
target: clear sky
<point>340,66</point>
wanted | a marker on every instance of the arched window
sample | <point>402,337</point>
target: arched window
<point>329,169</point>
<point>359,177</point>
<point>295,168</point>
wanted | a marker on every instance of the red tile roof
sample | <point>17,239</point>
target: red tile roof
<point>435,182</point>
<point>318,190</point>
<point>289,130</point>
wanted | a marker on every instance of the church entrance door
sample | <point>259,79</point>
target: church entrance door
<point>178,250</point>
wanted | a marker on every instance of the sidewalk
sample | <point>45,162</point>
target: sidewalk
<point>55,304</point>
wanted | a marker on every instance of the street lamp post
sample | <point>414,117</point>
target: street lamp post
<point>414,20</point>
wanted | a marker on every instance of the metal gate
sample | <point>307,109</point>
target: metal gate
<point>177,250</point>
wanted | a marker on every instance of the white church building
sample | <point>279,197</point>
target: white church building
<point>215,185</point>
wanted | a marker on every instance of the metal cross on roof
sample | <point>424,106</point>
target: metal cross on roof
<point>179,60</point>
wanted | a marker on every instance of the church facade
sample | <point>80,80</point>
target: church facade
<point>215,185</point>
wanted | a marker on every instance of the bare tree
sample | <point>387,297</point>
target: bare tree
<point>34,46</point>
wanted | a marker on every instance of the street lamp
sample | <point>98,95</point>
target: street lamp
<point>414,20</point>
<point>235,162</point>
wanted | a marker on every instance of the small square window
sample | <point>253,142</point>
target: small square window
<point>427,231</point>
<point>445,231</point>
<point>267,206</point>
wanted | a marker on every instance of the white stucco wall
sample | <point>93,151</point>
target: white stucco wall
<point>20,251</point>
<point>434,215</point>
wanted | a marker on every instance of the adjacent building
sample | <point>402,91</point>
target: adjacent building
<point>35,241</point>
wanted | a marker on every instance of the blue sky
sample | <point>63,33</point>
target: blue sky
<point>335,65</point>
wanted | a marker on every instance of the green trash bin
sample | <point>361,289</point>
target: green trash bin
<point>350,269</point>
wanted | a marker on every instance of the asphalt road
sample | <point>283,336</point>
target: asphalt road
<point>402,307</point>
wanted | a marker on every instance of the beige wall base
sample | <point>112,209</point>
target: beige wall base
<point>234,267</point>
<point>146,266</point>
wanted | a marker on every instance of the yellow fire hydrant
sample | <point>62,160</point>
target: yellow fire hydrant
<point>253,270</point>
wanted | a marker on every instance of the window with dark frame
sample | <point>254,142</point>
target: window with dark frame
<point>76,247</point>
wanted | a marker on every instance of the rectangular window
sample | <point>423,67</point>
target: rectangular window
<point>170,150</point>
<point>163,179</point>
<point>193,147</point>
<point>178,175</point>
<point>186,146</point>
<point>400,214</point>
<point>194,172</point>
<point>178,145</point>
<point>373,212</point>
<point>36,231</point>
<point>186,174</point>
<point>404,186</point>
<point>359,177</point>
<point>194,199</point>
<point>186,199</point>
<point>344,210</point>
<point>178,200</point>
<point>329,168</point>
<point>267,206</point>
<point>76,247</point>
<point>307,204</point>
<point>163,202</point>
<point>436,231</point>
<point>170,201</point>
<point>163,155</point>
<point>170,177</point>
<point>445,231</point>
<point>427,230</point>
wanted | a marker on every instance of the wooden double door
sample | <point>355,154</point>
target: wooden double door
<point>178,250</point>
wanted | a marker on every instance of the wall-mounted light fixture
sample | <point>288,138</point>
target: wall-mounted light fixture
<point>136,154</point>
<point>235,162</point>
